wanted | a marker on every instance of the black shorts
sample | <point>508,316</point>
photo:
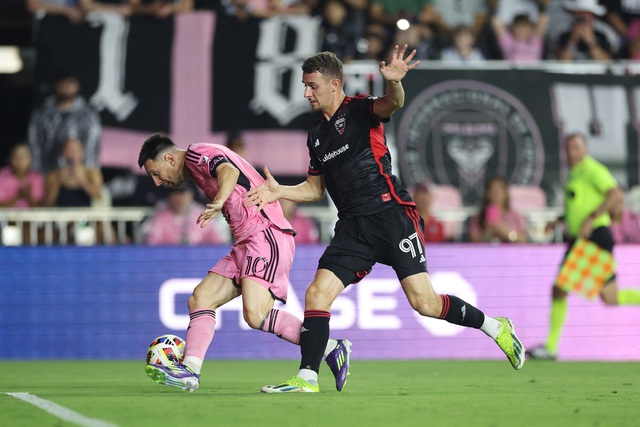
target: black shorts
<point>393,237</point>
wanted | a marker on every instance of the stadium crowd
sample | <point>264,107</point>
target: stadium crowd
<point>458,30</point>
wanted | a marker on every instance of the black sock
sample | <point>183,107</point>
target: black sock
<point>313,338</point>
<point>456,311</point>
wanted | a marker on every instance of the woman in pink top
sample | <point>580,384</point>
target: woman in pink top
<point>20,187</point>
<point>496,221</point>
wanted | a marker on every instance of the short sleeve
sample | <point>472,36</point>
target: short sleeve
<point>216,161</point>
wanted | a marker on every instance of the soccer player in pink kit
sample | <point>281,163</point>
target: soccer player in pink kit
<point>256,268</point>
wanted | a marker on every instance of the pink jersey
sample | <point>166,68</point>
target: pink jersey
<point>517,50</point>
<point>244,221</point>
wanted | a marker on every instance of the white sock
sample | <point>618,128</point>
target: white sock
<point>491,327</point>
<point>309,376</point>
<point>331,345</point>
<point>194,363</point>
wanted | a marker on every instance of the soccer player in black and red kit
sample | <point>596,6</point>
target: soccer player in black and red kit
<point>377,219</point>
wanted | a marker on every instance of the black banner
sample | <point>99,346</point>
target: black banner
<point>257,75</point>
<point>124,65</point>
<point>460,127</point>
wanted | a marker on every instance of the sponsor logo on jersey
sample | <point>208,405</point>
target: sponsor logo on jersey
<point>203,160</point>
<point>340,125</point>
<point>335,153</point>
<point>317,143</point>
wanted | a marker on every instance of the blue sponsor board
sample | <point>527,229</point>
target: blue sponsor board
<point>111,302</point>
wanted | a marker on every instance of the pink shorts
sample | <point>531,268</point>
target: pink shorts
<point>265,257</point>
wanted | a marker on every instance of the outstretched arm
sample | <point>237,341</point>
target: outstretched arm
<point>393,73</point>
<point>269,191</point>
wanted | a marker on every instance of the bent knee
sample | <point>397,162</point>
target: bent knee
<point>428,307</point>
<point>199,300</point>
<point>321,297</point>
<point>253,318</point>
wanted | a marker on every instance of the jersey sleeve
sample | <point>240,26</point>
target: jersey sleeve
<point>315,166</point>
<point>362,112</point>
<point>216,160</point>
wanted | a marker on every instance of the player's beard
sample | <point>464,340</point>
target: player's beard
<point>177,179</point>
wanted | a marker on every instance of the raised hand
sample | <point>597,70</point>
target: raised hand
<point>399,65</point>
<point>267,192</point>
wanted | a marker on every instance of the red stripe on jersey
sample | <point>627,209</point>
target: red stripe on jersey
<point>316,313</point>
<point>415,217</point>
<point>445,305</point>
<point>379,149</point>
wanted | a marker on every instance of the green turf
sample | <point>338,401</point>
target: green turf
<point>408,393</point>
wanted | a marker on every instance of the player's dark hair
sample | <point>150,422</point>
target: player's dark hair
<point>154,145</point>
<point>325,63</point>
<point>521,18</point>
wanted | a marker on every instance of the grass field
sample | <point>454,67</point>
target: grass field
<point>394,393</point>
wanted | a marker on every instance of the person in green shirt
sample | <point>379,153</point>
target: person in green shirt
<point>591,196</point>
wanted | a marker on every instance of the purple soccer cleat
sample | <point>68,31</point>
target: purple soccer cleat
<point>179,376</point>
<point>338,361</point>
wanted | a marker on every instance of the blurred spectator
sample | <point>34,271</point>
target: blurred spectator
<point>245,9</point>
<point>161,8</point>
<point>338,34</point>
<point>305,227</point>
<point>73,183</point>
<point>63,116</point>
<point>507,10</point>
<point>627,228</point>
<point>375,45</point>
<point>175,222</point>
<point>433,228</point>
<point>68,8</point>
<point>463,48</point>
<point>584,40</point>
<point>522,40</point>
<point>121,7</point>
<point>624,17</point>
<point>496,221</point>
<point>282,7</point>
<point>452,14</point>
<point>388,12</point>
<point>358,17</point>
<point>20,187</point>
<point>421,37</point>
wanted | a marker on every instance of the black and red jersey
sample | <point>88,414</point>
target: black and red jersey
<point>352,153</point>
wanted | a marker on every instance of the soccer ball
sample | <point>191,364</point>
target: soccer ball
<point>166,350</point>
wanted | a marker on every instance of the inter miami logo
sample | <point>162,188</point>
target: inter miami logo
<point>340,124</point>
<point>460,132</point>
